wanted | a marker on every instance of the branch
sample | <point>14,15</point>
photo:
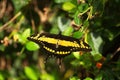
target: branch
<point>10,21</point>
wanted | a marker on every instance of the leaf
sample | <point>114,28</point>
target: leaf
<point>96,44</point>
<point>99,77</point>
<point>74,78</point>
<point>82,7</point>
<point>1,77</point>
<point>76,55</point>
<point>97,56</point>
<point>31,46</point>
<point>30,73</point>
<point>86,23</point>
<point>88,78</point>
<point>86,58</point>
<point>47,77</point>
<point>77,20</point>
<point>67,6</point>
<point>24,35</point>
<point>76,63</point>
<point>77,34</point>
<point>68,31</point>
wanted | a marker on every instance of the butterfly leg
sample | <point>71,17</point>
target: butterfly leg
<point>59,62</point>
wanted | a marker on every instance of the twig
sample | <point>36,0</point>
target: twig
<point>10,21</point>
<point>115,52</point>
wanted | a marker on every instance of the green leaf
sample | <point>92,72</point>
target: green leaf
<point>24,35</point>
<point>86,23</point>
<point>2,48</point>
<point>1,77</point>
<point>77,63</point>
<point>54,30</point>
<point>77,34</point>
<point>30,73</point>
<point>96,45</point>
<point>99,77</point>
<point>77,20</point>
<point>88,78</point>
<point>97,56</point>
<point>67,6</point>
<point>82,7</point>
<point>75,78</point>
<point>86,58</point>
<point>77,55</point>
<point>97,42</point>
<point>47,77</point>
<point>68,31</point>
<point>31,46</point>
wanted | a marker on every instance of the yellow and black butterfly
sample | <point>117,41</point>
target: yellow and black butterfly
<point>59,45</point>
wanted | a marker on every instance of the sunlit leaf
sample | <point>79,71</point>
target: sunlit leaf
<point>88,78</point>
<point>75,78</point>
<point>30,73</point>
<point>47,77</point>
<point>67,6</point>
<point>77,55</point>
<point>24,35</point>
<point>31,46</point>
<point>68,31</point>
<point>1,77</point>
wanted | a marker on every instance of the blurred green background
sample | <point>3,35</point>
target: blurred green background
<point>98,21</point>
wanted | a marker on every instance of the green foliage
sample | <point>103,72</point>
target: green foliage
<point>96,21</point>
